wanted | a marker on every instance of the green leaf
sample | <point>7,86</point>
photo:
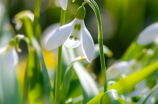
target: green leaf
<point>96,99</point>
<point>127,83</point>
<point>28,72</point>
<point>67,77</point>
<point>44,69</point>
<point>130,81</point>
<point>75,90</point>
<point>132,51</point>
<point>29,32</point>
<point>111,97</point>
<point>89,87</point>
<point>33,82</point>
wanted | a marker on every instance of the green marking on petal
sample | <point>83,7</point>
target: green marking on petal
<point>77,27</point>
<point>76,38</point>
<point>71,37</point>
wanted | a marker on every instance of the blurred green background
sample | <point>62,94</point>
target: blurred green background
<point>122,20</point>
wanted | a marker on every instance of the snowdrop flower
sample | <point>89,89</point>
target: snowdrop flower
<point>149,35</point>
<point>63,4</point>
<point>122,69</point>
<point>72,35</point>
<point>117,69</point>
<point>9,55</point>
<point>47,32</point>
<point>18,19</point>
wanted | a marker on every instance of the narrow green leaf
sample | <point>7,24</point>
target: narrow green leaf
<point>68,75</point>
<point>36,45</point>
<point>88,85</point>
<point>70,65</point>
<point>127,83</point>
<point>44,69</point>
<point>29,67</point>
<point>111,97</point>
<point>130,81</point>
<point>75,90</point>
<point>132,51</point>
<point>96,99</point>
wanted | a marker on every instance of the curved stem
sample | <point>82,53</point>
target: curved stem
<point>84,3</point>
<point>58,71</point>
<point>95,8</point>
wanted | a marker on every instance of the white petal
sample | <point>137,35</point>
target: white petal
<point>59,36</point>
<point>117,69</point>
<point>18,25</point>
<point>63,4</point>
<point>148,35</point>
<point>2,50</point>
<point>11,57</point>
<point>71,43</point>
<point>87,43</point>
<point>47,33</point>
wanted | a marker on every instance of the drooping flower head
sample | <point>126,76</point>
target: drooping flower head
<point>63,4</point>
<point>18,19</point>
<point>9,55</point>
<point>72,35</point>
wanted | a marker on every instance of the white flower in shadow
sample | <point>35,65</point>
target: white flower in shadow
<point>9,55</point>
<point>148,35</point>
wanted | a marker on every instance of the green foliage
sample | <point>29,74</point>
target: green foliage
<point>124,18</point>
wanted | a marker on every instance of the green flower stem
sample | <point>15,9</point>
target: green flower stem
<point>95,7</point>
<point>36,17</point>
<point>4,16</point>
<point>58,71</point>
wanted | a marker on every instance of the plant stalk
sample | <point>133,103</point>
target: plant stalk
<point>59,68</point>
<point>95,8</point>
<point>36,18</point>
